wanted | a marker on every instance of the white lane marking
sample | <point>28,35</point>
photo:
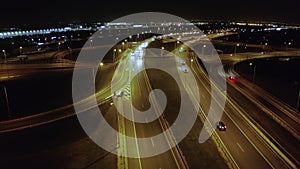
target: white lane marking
<point>152,141</point>
<point>240,147</point>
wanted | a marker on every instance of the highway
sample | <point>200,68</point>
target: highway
<point>137,92</point>
<point>242,143</point>
<point>278,121</point>
<point>261,131</point>
<point>247,143</point>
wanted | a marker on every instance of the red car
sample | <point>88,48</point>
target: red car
<point>231,77</point>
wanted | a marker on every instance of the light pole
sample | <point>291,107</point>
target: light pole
<point>254,71</point>
<point>114,55</point>
<point>7,101</point>
<point>161,51</point>
<point>4,52</point>
<point>70,52</point>
<point>266,44</point>
<point>235,47</point>
<point>297,107</point>
<point>130,37</point>
<point>126,43</point>
<point>21,49</point>
<point>176,43</point>
<point>203,47</point>
<point>91,42</point>
<point>123,43</point>
<point>58,46</point>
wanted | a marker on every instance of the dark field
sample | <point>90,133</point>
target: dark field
<point>279,76</point>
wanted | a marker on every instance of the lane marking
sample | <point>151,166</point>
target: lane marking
<point>152,141</point>
<point>168,135</point>
<point>240,147</point>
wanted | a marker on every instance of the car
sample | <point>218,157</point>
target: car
<point>231,77</point>
<point>185,70</point>
<point>118,93</point>
<point>221,126</point>
<point>182,62</point>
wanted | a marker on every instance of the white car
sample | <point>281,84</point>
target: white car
<point>183,69</point>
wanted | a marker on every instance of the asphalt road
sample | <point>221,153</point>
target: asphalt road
<point>242,140</point>
<point>136,91</point>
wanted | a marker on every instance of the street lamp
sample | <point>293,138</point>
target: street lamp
<point>4,52</point>
<point>177,42</point>
<point>161,51</point>
<point>126,43</point>
<point>91,42</point>
<point>297,107</point>
<point>266,44</point>
<point>114,54</point>
<point>70,52</point>
<point>7,101</point>
<point>21,50</point>
<point>204,46</point>
<point>235,46</point>
<point>254,71</point>
<point>58,46</point>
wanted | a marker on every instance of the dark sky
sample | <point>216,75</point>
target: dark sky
<point>41,12</point>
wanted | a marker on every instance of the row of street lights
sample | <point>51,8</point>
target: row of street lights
<point>5,54</point>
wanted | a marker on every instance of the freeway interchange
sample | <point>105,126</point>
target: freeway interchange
<point>248,142</point>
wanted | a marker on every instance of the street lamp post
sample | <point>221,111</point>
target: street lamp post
<point>130,37</point>
<point>7,102</point>
<point>204,46</point>
<point>161,51</point>
<point>297,107</point>
<point>176,43</point>
<point>254,71</point>
<point>123,44</point>
<point>91,42</point>
<point>114,55</point>
<point>126,43</point>
<point>58,46</point>
<point>4,52</point>
<point>70,52</point>
<point>21,50</point>
<point>235,48</point>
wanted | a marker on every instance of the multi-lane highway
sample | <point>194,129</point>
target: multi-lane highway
<point>245,147</point>
<point>261,132</point>
<point>245,144</point>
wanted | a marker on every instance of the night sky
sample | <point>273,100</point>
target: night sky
<point>34,12</point>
